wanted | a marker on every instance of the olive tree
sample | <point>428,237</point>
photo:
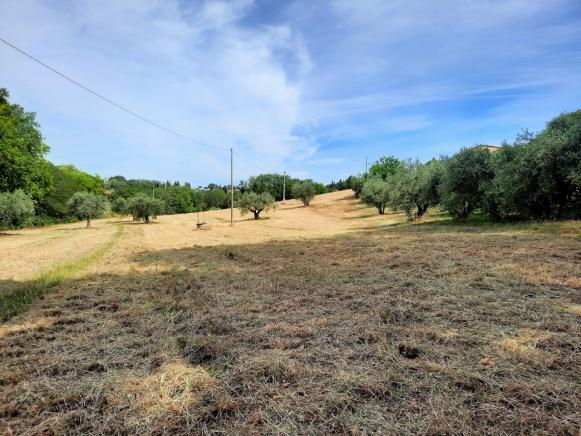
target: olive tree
<point>255,203</point>
<point>466,177</point>
<point>86,206</point>
<point>15,208</point>
<point>414,188</point>
<point>375,193</point>
<point>304,191</point>
<point>143,207</point>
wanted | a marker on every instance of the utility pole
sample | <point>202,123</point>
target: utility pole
<point>153,192</point>
<point>231,187</point>
<point>284,188</point>
<point>365,165</point>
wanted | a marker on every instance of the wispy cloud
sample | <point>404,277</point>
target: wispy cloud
<point>310,87</point>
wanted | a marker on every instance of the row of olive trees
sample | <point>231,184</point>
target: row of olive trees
<point>256,203</point>
<point>87,206</point>
<point>17,208</point>
<point>536,177</point>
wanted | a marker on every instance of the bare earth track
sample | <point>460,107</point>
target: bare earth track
<point>315,320</point>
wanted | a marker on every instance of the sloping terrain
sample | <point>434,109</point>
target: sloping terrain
<point>315,320</point>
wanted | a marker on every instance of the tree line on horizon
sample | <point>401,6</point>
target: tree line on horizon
<point>36,192</point>
<point>536,177</point>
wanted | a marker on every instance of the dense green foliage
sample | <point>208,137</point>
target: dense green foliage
<point>66,181</point>
<point>143,207</point>
<point>86,206</point>
<point>537,177</point>
<point>22,162</point>
<point>375,192</point>
<point>255,203</point>
<point>467,176</point>
<point>15,209</point>
<point>304,191</point>
<point>386,166</point>
<point>414,187</point>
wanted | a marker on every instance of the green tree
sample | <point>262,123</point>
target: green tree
<point>67,180</point>
<point>356,184</point>
<point>22,162</point>
<point>86,206</point>
<point>255,203</point>
<point>271,183</point>
<point>414,188</point>
<point>216,198</point>
<point>385,167</point>
<point>119,205</point>
<point>539,176</point>
<point>465,180</point>
<point>304,191</point>
<point>15,208</point>
<point>143,207</point>
<point>375,192</point>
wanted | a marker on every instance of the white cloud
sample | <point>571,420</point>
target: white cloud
<point>195,70</point>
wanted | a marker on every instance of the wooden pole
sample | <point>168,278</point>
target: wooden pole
<point>231,187</point>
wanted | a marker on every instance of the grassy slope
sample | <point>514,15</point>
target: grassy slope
<point>18,298</point>
<point>379,327</point>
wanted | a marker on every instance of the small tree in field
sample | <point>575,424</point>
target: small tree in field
<point>86,206</point>
<point>304,191</point>
<point>255,203</point>
<point>15,208</point>
<point>143,207</point>
<point>375,192</point>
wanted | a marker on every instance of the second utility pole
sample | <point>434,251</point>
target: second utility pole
<point>284,187</point>
<point>231,187</point>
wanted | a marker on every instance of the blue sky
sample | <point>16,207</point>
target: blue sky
<point>311,87</point>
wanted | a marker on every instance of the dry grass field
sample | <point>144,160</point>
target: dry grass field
<point>327,319</point>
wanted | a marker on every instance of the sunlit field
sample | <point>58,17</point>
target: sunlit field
<point>320,319</point>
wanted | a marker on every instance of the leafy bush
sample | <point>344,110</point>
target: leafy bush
<point>143,207</point>
<point>119,205</point>
<point>304,191</point>
<point>356,183</point>
<point>86,206</point>
<point>466,177</point>
<point>375,192</point>
<point>15,209</point>
<point>255,203</point>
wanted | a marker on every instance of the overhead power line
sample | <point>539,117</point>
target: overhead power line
<point>108,100</point>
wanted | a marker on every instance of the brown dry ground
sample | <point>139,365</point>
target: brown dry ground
<point>314,320</point>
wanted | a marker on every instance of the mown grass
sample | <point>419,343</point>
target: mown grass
<point>22,295</point>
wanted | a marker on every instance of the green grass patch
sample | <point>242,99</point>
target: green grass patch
<point>21,296</point>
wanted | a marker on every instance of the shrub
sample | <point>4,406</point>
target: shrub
<point>86,206</point>
<point>255,203</point>
<point>143,207</point>
<point>375,192</point>
<point>119,205</point>
<point>464,181</point>
<point>15,209</point>
<point>304,191</point>
<point>356,183</point>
